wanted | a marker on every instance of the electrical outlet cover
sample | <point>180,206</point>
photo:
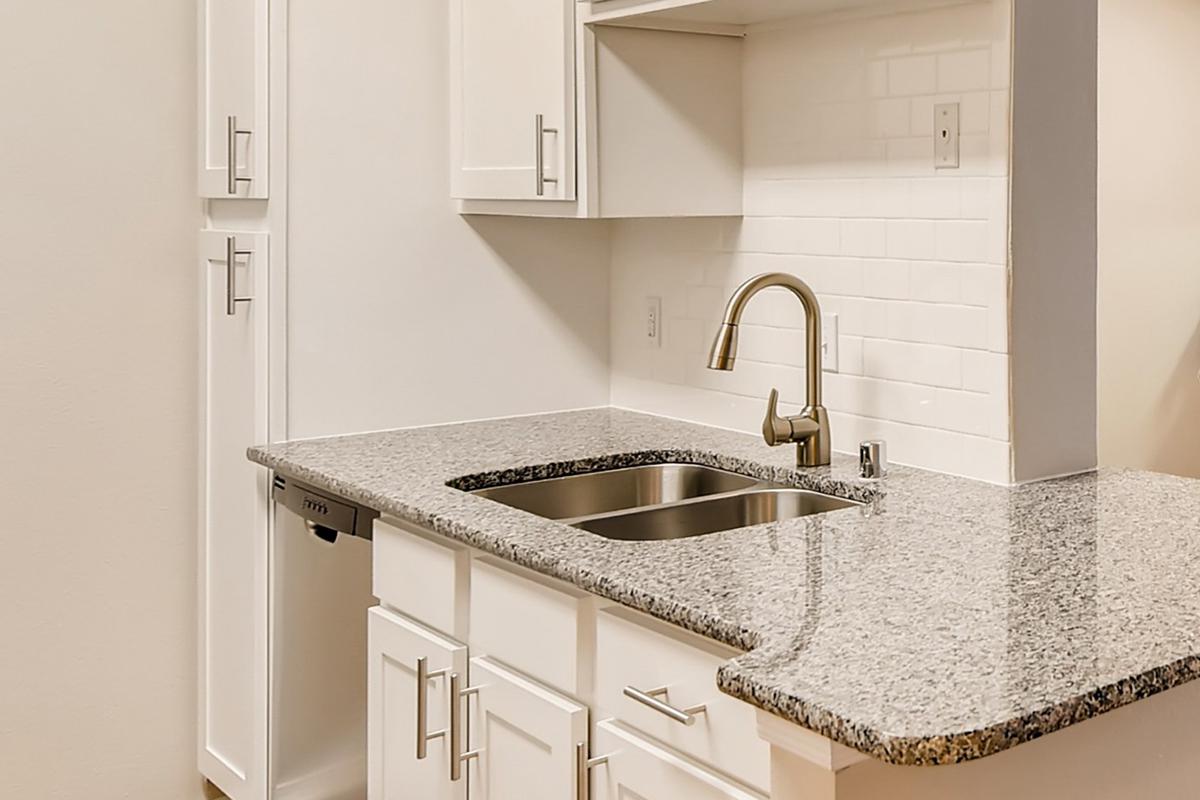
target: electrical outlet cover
<point>653,321</point>
<point>945,136</point>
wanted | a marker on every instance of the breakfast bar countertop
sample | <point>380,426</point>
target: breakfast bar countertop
<point>943,621</point>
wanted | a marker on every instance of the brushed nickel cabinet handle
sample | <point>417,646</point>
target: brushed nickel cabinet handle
<point>231,257</point>
<point>457,756</point>
<point>541,130</point>
<point>424,676</point>
<point>231,133</point>
<point>583,768</point>
<point>650,699</point>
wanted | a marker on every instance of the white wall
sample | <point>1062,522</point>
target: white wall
<point>401,311</point>
<point>1149,206</point>
<point>97,400</point>
<point>841,190</point>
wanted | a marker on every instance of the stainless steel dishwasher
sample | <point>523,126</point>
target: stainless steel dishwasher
<point>320,593</point>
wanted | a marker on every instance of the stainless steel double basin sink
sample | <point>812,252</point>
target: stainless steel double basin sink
<point>662,501</point>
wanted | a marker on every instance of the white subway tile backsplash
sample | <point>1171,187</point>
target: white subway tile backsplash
<point>840,189</point>
<point>912,75</point>
<point>790,235</point>
<point>936,198</point>
<point>850,355</point>
<point>884,198</point>
<point>975,113</point>
<point>935,282</point>
<point>802,198</point>
<point>864,237</point>
<point>964,71</point>
<point>985,372</point>
<point>877,78</point>
<point>913,363</point>
<point>858,317</point>
<point>911,238</point>
<point>776,345</point>
<point>954,326</point>
<point>891,117</point>
<point>885,278</point>
<point>961,240</point>
<point>705,302</point>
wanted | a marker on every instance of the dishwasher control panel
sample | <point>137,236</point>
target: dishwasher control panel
<point>326,516</point>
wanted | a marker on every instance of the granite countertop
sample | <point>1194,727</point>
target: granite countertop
<point>945,620</point>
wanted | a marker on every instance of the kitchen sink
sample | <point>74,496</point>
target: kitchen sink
<point>594,493</point>
<point>662,501</point>
<point>716,514</point>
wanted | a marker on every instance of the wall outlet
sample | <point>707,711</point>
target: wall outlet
<point>829,342</point>
<point>945,136</point>
<point>653,322</point>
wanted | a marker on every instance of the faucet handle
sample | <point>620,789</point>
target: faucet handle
<point>776,429</point>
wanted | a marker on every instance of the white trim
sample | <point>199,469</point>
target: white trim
<point>812,747</point>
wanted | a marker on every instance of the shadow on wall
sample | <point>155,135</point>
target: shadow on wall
<point>1178,442</point>
<point>562,273</point>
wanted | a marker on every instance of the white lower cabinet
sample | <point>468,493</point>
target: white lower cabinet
<point>525,736</point>
<point>547,657</point>
<point>395,717</point>
<point>636,767</point>
<point>234,512</point>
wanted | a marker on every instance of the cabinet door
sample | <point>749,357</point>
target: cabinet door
<point>233,98</point>
<point>637,767</point>
<point>395,644</point>
<point>234,506</point>
<point>512,64</point>
<point>525,735</point>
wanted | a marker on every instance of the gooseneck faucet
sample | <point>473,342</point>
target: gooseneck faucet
<point>810,428</point>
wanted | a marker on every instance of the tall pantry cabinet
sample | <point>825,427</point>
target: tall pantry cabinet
<point>240,271</point>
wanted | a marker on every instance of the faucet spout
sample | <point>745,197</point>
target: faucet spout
<point>811,427</point>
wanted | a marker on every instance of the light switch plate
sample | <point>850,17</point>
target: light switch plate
<point>945,136</point>
<point>829,342</point>
<point>653,322</point>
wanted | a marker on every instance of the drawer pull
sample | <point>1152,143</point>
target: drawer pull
<point>457,756</point>
<point>231,170</point>
<point>583,768</point>
<point>231,257</point>
<point>423,678</point>
<point>540,154</point>
<point>650,699</point>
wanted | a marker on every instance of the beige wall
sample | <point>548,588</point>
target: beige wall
<point>97,400</point>
<point>402,312</point>
<point>1149,255</point>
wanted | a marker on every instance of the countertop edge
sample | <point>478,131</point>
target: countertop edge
<point>963,746</point>
<point>932,750</point>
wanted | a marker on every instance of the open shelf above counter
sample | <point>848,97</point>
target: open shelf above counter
<point>729,17</point>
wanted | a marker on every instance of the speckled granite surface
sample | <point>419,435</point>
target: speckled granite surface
<point>946,620</point>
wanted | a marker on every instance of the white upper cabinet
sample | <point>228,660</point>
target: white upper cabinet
<point>552,117</point>
<point>512,79</point>
<point>233,98</point>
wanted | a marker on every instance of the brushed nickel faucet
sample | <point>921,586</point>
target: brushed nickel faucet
<point>810,428</point>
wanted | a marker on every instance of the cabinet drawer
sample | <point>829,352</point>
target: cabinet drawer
<point>421,575</point>
<point>528,621</point>
<point>637,767</point>
<point>636,651</point>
